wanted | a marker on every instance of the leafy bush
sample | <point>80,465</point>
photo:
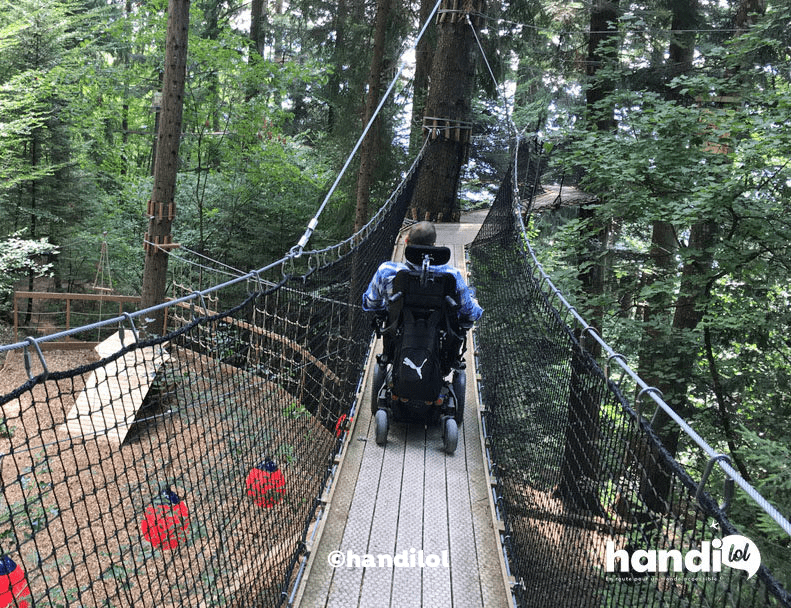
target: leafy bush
<point>19,258</point>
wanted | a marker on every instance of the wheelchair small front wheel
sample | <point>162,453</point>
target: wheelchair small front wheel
<point>450,436</point>
<point>460,391</point>
<point>380,372</point>
<point>382,424</point>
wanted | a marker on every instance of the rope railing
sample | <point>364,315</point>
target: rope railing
<point>581,479</point>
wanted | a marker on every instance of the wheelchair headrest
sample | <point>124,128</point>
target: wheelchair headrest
<point>437,255</point>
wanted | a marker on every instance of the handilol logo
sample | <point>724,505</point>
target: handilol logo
<point>734,550</point>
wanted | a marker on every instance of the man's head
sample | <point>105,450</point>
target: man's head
<point>422,233</point>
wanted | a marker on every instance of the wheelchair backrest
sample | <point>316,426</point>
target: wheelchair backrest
<point>420,308</point>
<point>422,289</point>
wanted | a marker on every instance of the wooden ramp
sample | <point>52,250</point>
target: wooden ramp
<point>113,393</point>
<point>409,502</point>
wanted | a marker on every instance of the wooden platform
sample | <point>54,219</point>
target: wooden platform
<point>114,392</point>
<point>408,501</point>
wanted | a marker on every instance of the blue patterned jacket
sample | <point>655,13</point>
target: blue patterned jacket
<point>381,288</point>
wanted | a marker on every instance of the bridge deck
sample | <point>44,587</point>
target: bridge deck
<point>408,497</point>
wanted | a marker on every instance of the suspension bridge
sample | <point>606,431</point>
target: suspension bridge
<point>231,461</point>
<point>226,462</point>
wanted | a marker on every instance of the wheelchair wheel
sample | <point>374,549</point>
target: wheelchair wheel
<point>450,436</point>
<point>376,383</point>
<point>460,390</point>
<point>382,425</point>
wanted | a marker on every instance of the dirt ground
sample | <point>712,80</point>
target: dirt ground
<point>12,367</point>
<point>72,506</point>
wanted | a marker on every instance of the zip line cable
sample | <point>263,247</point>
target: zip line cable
<point>621,30</point>
<point>297,249</point>
<point>233,271</point>
<point>511,125</point>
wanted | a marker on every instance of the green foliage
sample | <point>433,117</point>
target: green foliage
<point>77,135</point>
<point>709,147</point>
<point>19,258</point>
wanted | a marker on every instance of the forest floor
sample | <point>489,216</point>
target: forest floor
<point>77,502</point>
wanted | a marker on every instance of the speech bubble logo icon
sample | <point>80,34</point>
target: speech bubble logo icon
<point>740,552</point>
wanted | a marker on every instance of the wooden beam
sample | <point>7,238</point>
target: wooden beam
<point>51,295</point>
<point>274,336</point>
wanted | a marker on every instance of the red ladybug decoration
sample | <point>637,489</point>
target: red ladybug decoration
<point>165,522</point>
<point>266,484</point>
<point>340,426</point>
<point>13,585</point>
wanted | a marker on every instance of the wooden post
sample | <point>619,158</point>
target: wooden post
<point>162,207</point>
<point>16,319</point>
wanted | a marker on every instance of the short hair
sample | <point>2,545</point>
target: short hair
<point>422,233</point>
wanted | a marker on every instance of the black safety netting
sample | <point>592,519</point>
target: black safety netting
<point>188,469</point>
<point>582,482</point>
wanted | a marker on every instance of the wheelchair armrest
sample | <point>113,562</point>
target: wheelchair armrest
<point>379,321</point>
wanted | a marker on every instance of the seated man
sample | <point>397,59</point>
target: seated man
<point>381,287</point>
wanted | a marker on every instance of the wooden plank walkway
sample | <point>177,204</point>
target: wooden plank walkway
<point>410,502</point>
<point>114,392</point>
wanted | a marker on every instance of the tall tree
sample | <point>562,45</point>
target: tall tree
<point>257,28</point>
<point>447,114</point>
<point>580,469</point>
<point>662,324</point>
<point>424,57</point>
<point>369,149</point>
<point>698,274</point>
<point>334,82</point>
<point>162,204</point>
<point>40,71</point>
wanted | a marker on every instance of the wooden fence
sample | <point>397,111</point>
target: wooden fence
<point>45,327</point>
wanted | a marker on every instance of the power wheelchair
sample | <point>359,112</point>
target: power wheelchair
<point>420,373</point>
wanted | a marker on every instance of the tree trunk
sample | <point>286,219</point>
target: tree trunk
<point>601,49</point>
<point>579,473</point>
<point>125,106</point>
<point>680,353</point>
<point>257,42</point>
<point>162,204</point>
<point>656,315</point>
<point>580,469</point>
<point>682,39</point>
<point>668,356</point>
<point>447,115</point>
<point>591,260</point>
<point>257,29</point>
<point>35,158</point>
<point>744,17</point>
<point>212,31</point>
<point>424,56</point>
<point>370,146</point>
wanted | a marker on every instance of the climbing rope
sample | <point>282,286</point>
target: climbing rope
<point>100,281</point>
